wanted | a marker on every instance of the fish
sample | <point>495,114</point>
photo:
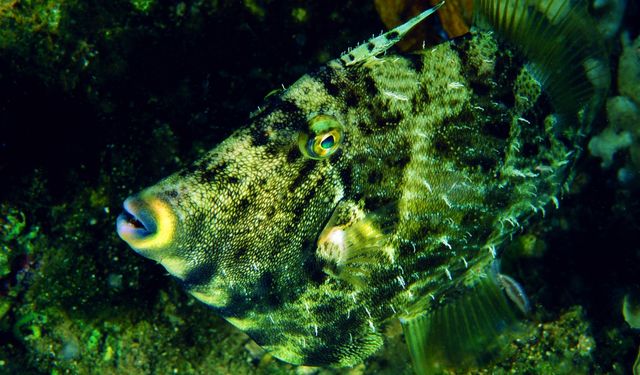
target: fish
<point>383,187</point>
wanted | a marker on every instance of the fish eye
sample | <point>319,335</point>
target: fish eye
<point>323,138</point>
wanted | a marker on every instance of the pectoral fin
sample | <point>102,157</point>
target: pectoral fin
<point>353,244</point>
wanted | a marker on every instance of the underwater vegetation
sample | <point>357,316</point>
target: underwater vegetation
<point>94,108</point>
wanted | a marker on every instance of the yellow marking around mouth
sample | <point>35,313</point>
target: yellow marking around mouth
<point>166,225</point>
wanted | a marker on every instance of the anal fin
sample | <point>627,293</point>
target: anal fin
<point>462,333</point>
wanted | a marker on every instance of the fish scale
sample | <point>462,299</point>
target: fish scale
<point>378,188</point>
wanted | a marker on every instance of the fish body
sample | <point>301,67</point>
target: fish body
<point>378,187</point>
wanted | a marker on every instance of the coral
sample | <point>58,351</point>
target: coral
<point>611,13</point>
<point>607,143</point>
<point>629,69</point>
<point>622,132</point>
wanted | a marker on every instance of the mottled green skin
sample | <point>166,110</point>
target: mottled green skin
<point>446,153</point>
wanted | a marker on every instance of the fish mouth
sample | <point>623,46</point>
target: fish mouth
<point>136,222</point>
<point>148,224</point>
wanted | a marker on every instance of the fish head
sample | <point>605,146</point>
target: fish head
<point>239,228</point>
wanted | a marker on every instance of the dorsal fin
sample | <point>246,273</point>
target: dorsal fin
<point>566,53</point>
<point>379,44</point>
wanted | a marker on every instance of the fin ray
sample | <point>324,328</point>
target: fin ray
<point>380,44</point>
<point>555,36</point>
<point>459,333</point>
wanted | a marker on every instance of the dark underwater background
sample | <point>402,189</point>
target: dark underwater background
<point>99,99</point>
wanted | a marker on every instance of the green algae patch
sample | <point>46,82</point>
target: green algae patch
<point>562,346</point>
<point>19,241</point>
<point>27,17</point>
<point>5,306</point>
<point>300,15</point>
<point>255,7</point>
<point>631,310</point>
<point>4,261</point>
<point>143,5</point>
<point>29,326</point>
<point>94,339</point>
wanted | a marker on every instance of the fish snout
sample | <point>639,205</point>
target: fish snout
<point>147,224</point>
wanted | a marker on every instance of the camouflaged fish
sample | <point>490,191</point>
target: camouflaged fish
<point>382,187</point>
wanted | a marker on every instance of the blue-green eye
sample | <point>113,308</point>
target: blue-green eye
<point>328,142</point>
<point>323,139</point>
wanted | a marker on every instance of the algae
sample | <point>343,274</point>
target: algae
<point>143,5</point>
